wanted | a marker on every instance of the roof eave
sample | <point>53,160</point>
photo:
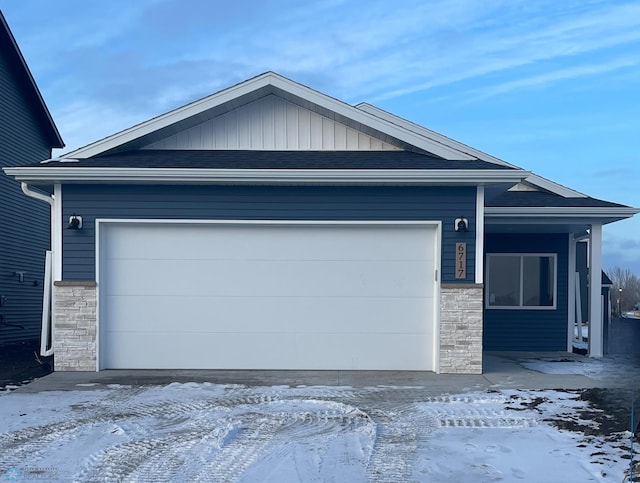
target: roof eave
<point>47,174</point>
<point>559,212</point>
<point>55,140</point>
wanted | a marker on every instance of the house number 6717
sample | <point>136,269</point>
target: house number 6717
<point>461,260</point>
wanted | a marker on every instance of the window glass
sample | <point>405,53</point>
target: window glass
<point>519,281</point>
<point>504,281</point>
<point>537,281</point>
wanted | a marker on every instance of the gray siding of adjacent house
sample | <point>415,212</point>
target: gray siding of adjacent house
<point>24,222</point>
<point>529,330</point>
<point>265,203</point>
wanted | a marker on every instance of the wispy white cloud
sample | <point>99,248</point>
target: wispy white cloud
<point>527,41</point>
<point>554,76</point>
<point>152,55</point>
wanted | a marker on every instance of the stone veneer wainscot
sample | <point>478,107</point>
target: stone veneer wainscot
<point>461,328</point>
<point>74,329</point>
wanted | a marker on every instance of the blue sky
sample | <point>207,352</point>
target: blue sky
<point>551,86</point>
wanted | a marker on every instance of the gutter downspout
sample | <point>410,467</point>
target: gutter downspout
<point>46,299</point>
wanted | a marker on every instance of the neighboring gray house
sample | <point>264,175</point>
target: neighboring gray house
<point>27,135</point>
<point>269,226</point>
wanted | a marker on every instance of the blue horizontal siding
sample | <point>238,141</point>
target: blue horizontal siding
<point>265,203</point>
<point>529,330</point>
<point>24,222</point>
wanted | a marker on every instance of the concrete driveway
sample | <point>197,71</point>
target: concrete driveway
<point>282,426</point>
<point>526,413</point>
<point>501,370</point>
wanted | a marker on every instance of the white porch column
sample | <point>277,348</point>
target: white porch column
<point>571,299</point>
<point>480,235</point>
<point>595,291</point>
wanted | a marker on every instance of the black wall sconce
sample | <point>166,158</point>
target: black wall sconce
<point>461,224</point>
<point>75,222</point>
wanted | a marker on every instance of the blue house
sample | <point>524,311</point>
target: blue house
<point>27,135</point>
<point>270,226</point>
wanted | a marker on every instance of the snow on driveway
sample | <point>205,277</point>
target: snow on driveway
<point>208,432</point>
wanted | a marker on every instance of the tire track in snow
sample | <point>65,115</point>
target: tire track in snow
<point>235,431</point>
<point>265,433</point>
<point>152,458</point>
<point>397,438</point>
<point>475,411</point>
<point>31,444</point>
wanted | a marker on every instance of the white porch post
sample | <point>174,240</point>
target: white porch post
<point>571,299</point>
<point>595,291</point>
<point>480,235</point>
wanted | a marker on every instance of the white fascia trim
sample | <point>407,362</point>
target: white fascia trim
<point>560,212</point>
<point>193,109</point>
<point>169,118</point>
<point>432,135</point>
<point>371,120</point>
<point>264,176</point>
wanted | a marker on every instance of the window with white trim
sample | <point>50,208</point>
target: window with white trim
<point>521,281</point>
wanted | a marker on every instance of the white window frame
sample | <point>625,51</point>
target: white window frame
<point>554,256</point>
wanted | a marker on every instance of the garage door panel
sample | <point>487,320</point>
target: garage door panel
<point>267,314</point>
<point>268,242</point>
<point>252,278</point>
<point>298,296</point>
<point>269,351</point>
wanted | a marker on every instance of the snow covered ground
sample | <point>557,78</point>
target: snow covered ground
<point>209,432</point>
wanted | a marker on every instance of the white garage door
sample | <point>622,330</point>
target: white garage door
<point>267,296</point>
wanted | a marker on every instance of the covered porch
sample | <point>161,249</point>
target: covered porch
<point>543,270</point>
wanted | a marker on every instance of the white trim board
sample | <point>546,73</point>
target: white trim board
<point>266,176</point>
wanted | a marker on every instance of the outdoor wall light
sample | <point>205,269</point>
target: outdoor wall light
<point>462,224</point>
<point>75,222</point>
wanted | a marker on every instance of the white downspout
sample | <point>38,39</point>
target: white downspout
<point>46,302</point>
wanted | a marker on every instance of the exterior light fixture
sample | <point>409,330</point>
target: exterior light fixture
<point>75,222</point>
<point>620,302</point>
<point>461,224</point>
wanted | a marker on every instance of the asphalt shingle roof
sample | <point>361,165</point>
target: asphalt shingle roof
<point>543,199</point>
<point>276,160</point>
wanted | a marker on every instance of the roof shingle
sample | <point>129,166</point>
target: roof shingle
<point>218,159</point>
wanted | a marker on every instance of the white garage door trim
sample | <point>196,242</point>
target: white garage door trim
<point>102,224</point>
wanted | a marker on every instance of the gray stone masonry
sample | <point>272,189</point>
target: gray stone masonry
<point>75,326</point>
<point>461,329</point>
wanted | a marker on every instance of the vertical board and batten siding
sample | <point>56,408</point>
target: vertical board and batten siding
<point>265,203</point>
<point>24,222</point>
<point>272,123</point>
<point>529,330</point>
